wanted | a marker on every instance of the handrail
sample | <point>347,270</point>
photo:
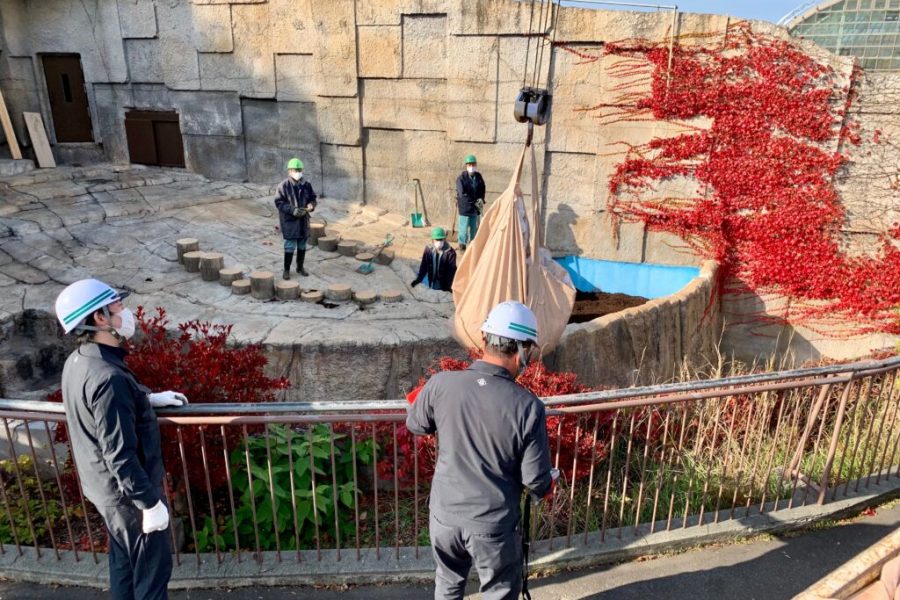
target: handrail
<point>664,393</point>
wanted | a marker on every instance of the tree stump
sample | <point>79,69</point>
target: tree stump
<point>192,261</point>
<point>287,290</point>
<point>338,291</point>
<point>240,287</point>
<point>316,231</point>
<point>262,285</point>
<point>348,247</point>
<point>365,256</point>
<point>210,265</point>
<point>385,258</point>
<point>365,297</point>
<point>328,244</point>
<point>313,296</point>
<point>391,296</point>
<point>230,275</point>
<point>185,245</point>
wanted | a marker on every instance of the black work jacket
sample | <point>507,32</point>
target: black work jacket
<point>493,444</point>
<point>113,429</point>
<point>442,278</point>
<point>288,196</point>
<point>468,191</point>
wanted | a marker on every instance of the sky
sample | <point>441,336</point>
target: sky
<point>764,10</point>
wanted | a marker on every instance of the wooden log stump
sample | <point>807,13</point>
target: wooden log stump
<point>287,290</point>
<point>338,291</point>
<point>385,258</point>
<point>210,265</point>
<point>240,287</point>
<point>328,244</point>
<point>365,297</point>
<point>313,296</point>
<point>192,261</point>
<point>391,296</point>
<point>365,256</point>
<point>262,285</point>
<point>230,275</point>
<point>185,245</point>
<point>316,231</point>
<point>348,247</point>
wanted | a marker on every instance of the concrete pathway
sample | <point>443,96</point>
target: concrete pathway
<point>770,568</point>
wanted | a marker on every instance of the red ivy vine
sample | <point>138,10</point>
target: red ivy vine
<point>767,209</point>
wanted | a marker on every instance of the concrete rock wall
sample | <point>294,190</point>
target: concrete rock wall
<point>373,94</point>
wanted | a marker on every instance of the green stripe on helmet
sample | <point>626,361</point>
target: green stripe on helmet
<point>89,306</point>
<point>523,329</point>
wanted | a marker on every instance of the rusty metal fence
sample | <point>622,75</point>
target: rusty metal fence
<point>293,480</point>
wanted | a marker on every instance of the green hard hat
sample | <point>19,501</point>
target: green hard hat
<point>438,233</point>
<point>295,163</point>
<point>470,159</point>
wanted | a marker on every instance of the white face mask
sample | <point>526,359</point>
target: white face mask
<point>470,169</point>
<point>297,176</point>
<point>126,330</point>
<point>438,244</point>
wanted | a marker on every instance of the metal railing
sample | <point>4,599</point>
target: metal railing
<point>300,479</point>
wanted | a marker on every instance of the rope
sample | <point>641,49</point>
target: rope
<point>528,44</point>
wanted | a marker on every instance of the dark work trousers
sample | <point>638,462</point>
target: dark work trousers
<point>497,559</point>
<point>140,564</point>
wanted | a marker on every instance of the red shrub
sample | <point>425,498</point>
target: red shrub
<point>541,381</point>
<point>198,362</point>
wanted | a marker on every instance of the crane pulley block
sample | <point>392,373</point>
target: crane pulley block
<point>532,106</point>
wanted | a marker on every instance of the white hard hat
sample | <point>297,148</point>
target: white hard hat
<point>81,299</point>
<point>512,320</point>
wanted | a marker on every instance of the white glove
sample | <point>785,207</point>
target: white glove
<point>161,399</point>
<point>554,474</point>
<point>156,518</point>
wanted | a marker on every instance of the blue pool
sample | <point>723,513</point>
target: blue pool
<point>635,279</point>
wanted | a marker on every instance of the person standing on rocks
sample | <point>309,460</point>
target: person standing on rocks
<point>493,445</point>
<point>438,263</point>
<point>295,199</point>
<point>115,439</point>
<point>470,192</point>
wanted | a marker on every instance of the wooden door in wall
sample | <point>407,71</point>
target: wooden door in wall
<point>154,138</point>
<point>68,98</point>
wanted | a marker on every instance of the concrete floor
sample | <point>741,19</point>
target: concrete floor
<point>768,568</point>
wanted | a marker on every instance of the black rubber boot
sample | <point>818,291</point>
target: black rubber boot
<point>301,256</point>
<point>288,257</point>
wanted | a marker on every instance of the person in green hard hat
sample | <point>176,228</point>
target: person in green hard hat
<point>470,191</point>
<point>438,266</point>
<point>295,199</point>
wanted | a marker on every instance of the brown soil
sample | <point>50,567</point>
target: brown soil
<point>590,305</point>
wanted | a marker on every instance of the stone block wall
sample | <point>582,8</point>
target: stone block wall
<point>371,94</point>
<point>374,94</point>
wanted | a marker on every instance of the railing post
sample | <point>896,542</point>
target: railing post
<point>832,448</point>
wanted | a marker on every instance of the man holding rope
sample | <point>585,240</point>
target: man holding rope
<point>493,445</point>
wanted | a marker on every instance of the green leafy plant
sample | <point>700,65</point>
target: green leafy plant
<point>27,506</point>
<point>301,463</point>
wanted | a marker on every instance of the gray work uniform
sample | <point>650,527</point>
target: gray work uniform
<point>116,448</point>
<point>493,445</point>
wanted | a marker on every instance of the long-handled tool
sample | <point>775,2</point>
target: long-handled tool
<point>526,543</point>
<point>367,267</point>
<point>415,219</point>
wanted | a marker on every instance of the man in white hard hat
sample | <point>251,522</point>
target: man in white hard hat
<point>115,439</point>
<point>493,445</point>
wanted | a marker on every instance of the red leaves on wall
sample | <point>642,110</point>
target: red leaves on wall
<point>768,210</point>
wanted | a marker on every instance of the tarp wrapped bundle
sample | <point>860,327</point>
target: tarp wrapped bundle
<point>506,261</point>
